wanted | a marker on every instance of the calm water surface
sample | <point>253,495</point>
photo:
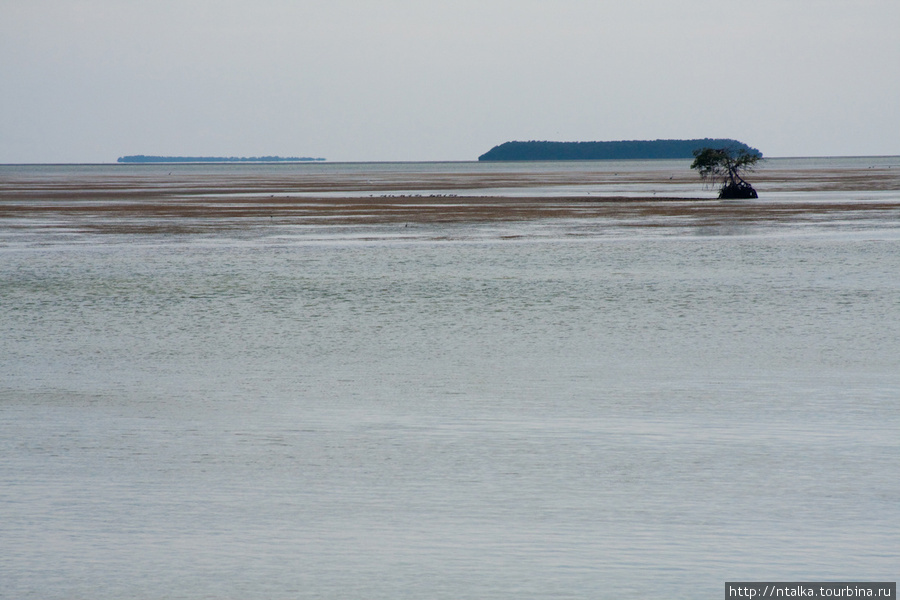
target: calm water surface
<point>331,413</point>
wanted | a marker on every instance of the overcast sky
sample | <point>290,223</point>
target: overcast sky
<point>358,80</point>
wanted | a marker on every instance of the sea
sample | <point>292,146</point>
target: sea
<point>534,409</point>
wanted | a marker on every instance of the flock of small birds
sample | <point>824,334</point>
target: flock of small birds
<point>415,196</point>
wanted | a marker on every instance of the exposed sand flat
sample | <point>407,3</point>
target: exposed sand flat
<point>184,202</point>
<point>181,183</point>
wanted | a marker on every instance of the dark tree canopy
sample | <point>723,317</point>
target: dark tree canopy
<point>725,165</point>
<point>622,150</point>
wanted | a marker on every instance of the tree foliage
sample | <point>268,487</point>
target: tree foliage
<point>621,150</point>
<point>725,166</point>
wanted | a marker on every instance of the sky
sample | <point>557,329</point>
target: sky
<point>85,81</point>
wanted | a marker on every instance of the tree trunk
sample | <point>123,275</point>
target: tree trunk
<point>741,190</point>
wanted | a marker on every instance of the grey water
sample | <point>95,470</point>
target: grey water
<point>460,413</point>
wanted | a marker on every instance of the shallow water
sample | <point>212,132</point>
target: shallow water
<point>536,409</point>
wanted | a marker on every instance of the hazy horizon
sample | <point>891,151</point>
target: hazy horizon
<point>319,161</point>
<point>93,80</point>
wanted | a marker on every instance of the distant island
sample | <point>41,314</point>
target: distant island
<point>635,149</point>
<point>140,158</point>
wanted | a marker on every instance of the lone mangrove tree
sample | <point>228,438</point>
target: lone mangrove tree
<point>725,165</point>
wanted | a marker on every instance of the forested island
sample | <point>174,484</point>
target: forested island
<point>140,158</point>
<point>634,149</point>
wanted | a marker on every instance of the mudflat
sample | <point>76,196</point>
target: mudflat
<point>185,201</point>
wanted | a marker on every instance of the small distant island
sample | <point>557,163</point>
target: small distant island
<point>140,158</point>
<point>624,150</point>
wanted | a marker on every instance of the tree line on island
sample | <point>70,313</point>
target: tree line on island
<point>622,150</point>
<point>140,158</point>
